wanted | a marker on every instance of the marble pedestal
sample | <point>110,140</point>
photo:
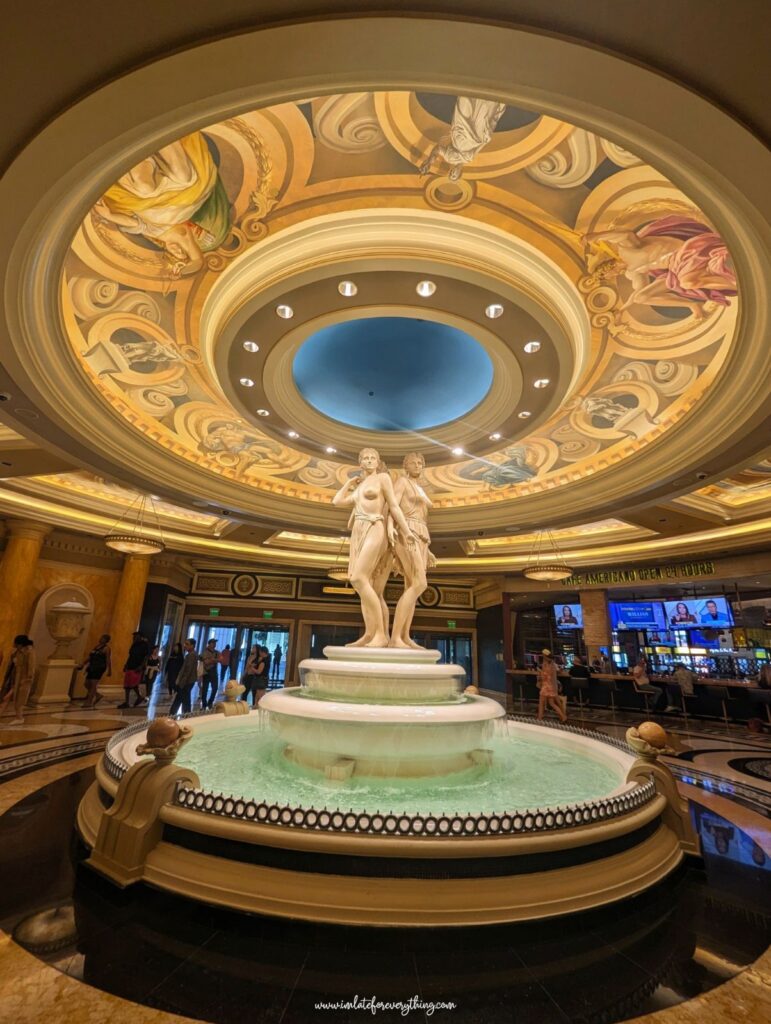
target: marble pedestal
<point>53,682</point>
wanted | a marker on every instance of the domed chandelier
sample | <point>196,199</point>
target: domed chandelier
<point>545,562</point>
<point>132,534</point>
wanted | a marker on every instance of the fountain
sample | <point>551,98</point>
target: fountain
<point>379,792</point>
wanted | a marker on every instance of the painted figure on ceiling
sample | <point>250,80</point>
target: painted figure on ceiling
<point>671,261</point>
<point>473,124</point>
<point>235,439</point>
<point>174,199</point>
<point>514,470</point>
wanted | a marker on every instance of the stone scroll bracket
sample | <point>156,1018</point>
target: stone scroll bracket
<point>132,828</point>
<point>676,815</point>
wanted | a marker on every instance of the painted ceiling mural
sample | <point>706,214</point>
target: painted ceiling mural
<point>656,279</point>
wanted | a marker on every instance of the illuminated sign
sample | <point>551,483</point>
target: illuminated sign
<point>683,570</point>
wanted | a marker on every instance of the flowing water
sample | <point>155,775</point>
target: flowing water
<point>527,772</point>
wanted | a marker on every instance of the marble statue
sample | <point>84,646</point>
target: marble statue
<point>413,560</point>
<point>372,497</point>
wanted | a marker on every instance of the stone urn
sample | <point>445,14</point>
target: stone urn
<point>65,623</point>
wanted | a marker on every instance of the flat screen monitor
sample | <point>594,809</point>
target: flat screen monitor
<point>637,615</point>
<point>699,613</point>
<point>568,616</point>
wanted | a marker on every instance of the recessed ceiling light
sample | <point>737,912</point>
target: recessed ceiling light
<point>495,437</point>
<point>263,412</point>
<point>285,312</point>
<point>347,288</point>
<point>251,346</point>
<point>457,451</point>
<point>331,451</point>
<point>524,415</point>
<point>494,310</point>
<point>532,346</point>
<point>293,434</point>
<point>246,382</point>
<point>425,288</point>
<point>542,382</point>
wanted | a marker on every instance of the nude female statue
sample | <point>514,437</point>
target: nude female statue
<point>416,558</point>
<point>372,497</point>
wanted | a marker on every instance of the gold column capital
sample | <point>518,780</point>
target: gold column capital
<point>27,528</point>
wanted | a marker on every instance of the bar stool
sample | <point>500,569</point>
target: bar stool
<point>721,692</point>
<point>612,686</point>
<point>643,693</point>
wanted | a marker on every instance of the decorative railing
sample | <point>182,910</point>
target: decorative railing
<point>548,819</point>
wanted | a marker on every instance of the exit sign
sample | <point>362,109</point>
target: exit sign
<point>451,623</point>
<point>267,615</point>
<point>214,611</point>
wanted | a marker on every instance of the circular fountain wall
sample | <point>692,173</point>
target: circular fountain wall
<point>377,792</point>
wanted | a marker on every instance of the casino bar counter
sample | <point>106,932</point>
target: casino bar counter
<point>727,699</point>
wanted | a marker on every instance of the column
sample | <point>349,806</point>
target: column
<point>17,571</point>
<point>125,618</point>
<point>594,606</point>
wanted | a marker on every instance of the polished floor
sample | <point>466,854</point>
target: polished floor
<point>667,952</point>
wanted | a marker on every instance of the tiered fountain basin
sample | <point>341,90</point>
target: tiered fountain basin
<point>382,712</point>
<point>557,822</point>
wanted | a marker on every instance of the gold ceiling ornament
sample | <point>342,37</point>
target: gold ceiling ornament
<point>132,534</point>
<point>545,560</point>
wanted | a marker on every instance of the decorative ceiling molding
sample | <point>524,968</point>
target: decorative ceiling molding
<point>712,159</point>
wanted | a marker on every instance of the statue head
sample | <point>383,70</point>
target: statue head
<point>414,463</point>
<point>370,461</point>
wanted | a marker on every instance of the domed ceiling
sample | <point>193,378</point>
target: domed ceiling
<point>582,304</point>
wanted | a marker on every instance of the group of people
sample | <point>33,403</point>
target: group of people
<point>185,667</point>
<point>667,697</point>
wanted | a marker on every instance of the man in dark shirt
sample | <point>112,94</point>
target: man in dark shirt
<point>210,681</point>
<point>186,679</point>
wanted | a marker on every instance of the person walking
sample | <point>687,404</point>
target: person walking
<point>186,679</point>
<point>209,680</point>
<point>97,664</point>
<point>18,677</point>
<point>277,656</point>
<point>152,668</point>
<point>548,687</point>
<point>173,665</point>
<point>266,674</point>
<point>224,662</point>
<point>253,670</point>
<point>134,668</point>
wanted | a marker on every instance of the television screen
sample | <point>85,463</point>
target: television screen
<point>637,615</point>
<point>701,613</point>
<point>568,616</point>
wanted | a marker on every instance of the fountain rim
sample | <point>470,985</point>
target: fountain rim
<point>629,798</point>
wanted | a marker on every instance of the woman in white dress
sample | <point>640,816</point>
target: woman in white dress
<point>372,497</point>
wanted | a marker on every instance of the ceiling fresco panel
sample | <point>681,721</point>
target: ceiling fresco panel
<point>656,280</point>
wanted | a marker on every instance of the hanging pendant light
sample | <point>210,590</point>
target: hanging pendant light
<point>132,535</point>
<point>339,570</point>
<point>545,561</point>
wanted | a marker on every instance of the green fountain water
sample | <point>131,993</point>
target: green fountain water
<point>526,772</point>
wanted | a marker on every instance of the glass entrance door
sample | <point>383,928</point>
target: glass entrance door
<point>239,638</point>
<point>454,648</point>
<point>273,636</point>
